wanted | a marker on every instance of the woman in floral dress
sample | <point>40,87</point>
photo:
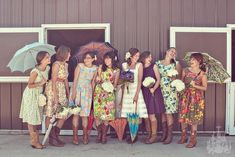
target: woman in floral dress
<point>82,89</point>
<point>169,94</point>
<point>192,103</point>
<point>104,106</point>
<point>57,92</point>
<point>30,111</point>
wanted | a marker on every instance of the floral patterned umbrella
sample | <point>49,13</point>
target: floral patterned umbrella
<point>119,126</point>
<point>100,47</point>
<point>215,70</point>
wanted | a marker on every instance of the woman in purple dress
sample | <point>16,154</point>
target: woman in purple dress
<point>152,96</point>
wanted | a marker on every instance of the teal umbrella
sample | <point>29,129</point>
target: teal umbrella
<point>133,122</point>
<point>25,58</point>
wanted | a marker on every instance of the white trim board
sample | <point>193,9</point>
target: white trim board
<point>105,26</point>
<point>18,79</point>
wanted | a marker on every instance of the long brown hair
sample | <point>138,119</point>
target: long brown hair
<point>40,57</point>
<point>62,53</point>
<point>199,58</point>
<point>133,51</point>
<point>143,56</point>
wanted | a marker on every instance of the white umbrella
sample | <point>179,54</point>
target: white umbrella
<point>25,58</point>
<point>52,123</point>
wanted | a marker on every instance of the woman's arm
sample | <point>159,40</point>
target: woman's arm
<point>204,84</point>
<point>93,83</point>
<point>183,75</point>
<point>117,74</point>
<point>66,82</point>
<point>157,75</point>
<point>32,78</point>
<point>75,81</point>
<point>140,77</point>
<point>179,69</point>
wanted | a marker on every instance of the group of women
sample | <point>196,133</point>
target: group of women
<point>87,89</point>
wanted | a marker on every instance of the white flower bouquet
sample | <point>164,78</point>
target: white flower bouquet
<point>148,82</point>
<point>107,86</point>
<point>63,111</point>
<point>74,110</point>
<point>172,73</point>
<point>178,84</point>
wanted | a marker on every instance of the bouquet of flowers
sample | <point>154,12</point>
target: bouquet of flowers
<point>172,73</point>
<point>63,111</point>
<point>178,84</point>
<point>74,109</point>
<point>148,82</point>
<point>107,86</point>
<point>127,77</point>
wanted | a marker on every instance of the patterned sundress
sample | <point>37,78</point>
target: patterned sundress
<point>30,111</point>
<point>127,105</point>
<point>61,91</point>
<point>84,89</point>
<point>192,103</point>
<point>104,102</point>
<point>169,94</point>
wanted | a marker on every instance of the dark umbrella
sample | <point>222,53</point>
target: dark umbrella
<point>100,47</point>
<point>215,70</point>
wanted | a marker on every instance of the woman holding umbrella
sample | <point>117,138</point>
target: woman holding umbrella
<point>57,92</point>
<point>133,100</point>
<point>166,66</point>
<point>192,103</point>
<point>30,111</point>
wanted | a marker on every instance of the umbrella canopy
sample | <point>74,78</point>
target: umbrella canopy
<point>133,122</point>
<point>25,58</point>
<point>119,126</point>
<point>100,47</point>
<point>215,70</point>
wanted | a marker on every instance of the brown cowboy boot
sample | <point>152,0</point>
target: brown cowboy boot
<point>164,132</point>
<point>34,140</point>
<point>104,133</point>
<point>153,138</point>
<point>183,138</point>
<point>193,140</point>
<point>85,136</point>
<point>169,135</point>
<point>75,135</point>
<point>99,135</point>
<point>53,138</point>
<point>57,132</point>
<point>148,129</point>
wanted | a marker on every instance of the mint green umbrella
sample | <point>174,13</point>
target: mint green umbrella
<point>25,58</point>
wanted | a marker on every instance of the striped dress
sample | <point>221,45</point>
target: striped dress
<point>128,96</point>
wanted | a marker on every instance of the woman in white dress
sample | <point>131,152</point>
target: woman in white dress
<point>133,100</point>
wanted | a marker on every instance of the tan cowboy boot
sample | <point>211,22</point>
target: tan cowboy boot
<point>153,138</point>
<point>193,140</point>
